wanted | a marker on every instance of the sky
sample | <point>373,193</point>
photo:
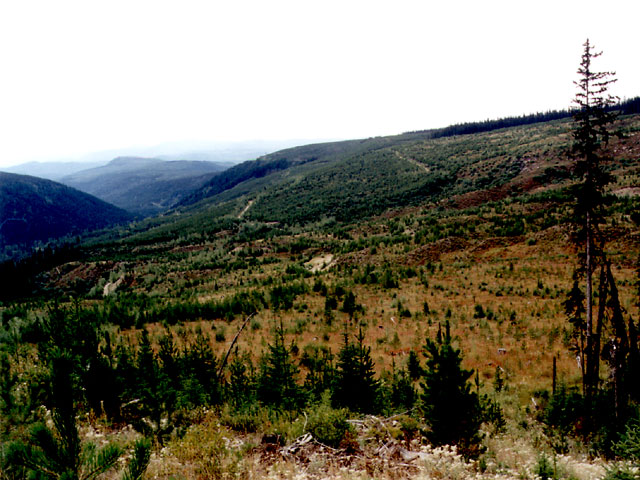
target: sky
<point>86,76</point>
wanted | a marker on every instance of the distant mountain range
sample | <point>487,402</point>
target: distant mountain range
<point>144,186</point>
<point>34,209</point>
<point>148,181</point>
<point>51,170</point>
<point>221,152</point>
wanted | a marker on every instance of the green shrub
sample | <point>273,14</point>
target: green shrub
<point>244,420</point>
<point>329,425</point>
<point>544,469</point>
<point>620,473</point>
<point>629,445</point>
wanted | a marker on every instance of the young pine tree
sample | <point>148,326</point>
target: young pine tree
<point>320,372</point>
<point>355,385</point>
<point>403,394</point>
<point>240,389</point>
<point>450,408</point>
<point>277,380</point>
<point>200,369</point>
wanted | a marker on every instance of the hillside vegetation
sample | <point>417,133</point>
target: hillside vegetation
<point>292,318</point>
<point>37,210</point>
<point>144,186</point>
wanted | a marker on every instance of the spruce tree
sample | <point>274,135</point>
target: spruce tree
<point>355,385</point>
<point>593,119</point>
<point>149,381</point>
<point>320,371</point>
<point>200,370</point>
<point>450,408</point>
<point>277,380</point>
<point>240,389</point>
<point>403,394</point>
<point>413,366</point>
<point>170,360</point>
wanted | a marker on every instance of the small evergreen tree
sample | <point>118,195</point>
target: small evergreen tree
<point>403,394</point>
<point>170,361</point>
<point>413,366</point>
<point>201,386</point>
<point>350,306</point>
<point>277,380</point>
<point>355,385</point>
<point>149,380</point>
<point>240,389</point>
<point>320,371</point>
<point>450,408</point>
<point>151,415</point>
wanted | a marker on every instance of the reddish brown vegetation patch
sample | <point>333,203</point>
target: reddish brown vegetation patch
<point>433,251</point>
<point>70,273</point>
<point>496,242</point>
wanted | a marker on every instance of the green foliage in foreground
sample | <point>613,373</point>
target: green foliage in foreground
<point>59,453</point>
<point>450,408</point>
<point>328,425</point>
<point>629,445</point>
<point>149,388</point>
<point>277,381</point>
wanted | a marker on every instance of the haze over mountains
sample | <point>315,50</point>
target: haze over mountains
<point>149,180</point>
<point>144,186</point>
<point>224,152</point>
<point>51,170</point>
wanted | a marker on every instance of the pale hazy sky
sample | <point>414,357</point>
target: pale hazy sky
<point>83,76</point>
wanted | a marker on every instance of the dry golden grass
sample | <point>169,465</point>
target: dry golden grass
<point>520,284</point>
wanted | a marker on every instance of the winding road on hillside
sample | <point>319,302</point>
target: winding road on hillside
<point>413,161</point>
<point>244,210</point>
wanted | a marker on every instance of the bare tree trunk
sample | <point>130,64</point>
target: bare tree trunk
<point>233,342</point>
<point>602,305</point>
<point>634,358</point>
<point>620,347</point>
<point>588,380</point>
<point>554,375</point>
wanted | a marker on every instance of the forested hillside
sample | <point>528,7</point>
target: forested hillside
<point>144,186</point>
<point>321,166</point>
<point>37,210</point>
